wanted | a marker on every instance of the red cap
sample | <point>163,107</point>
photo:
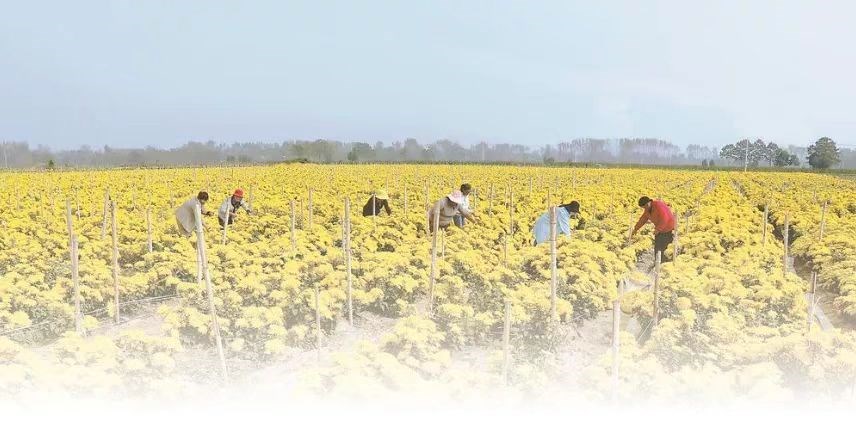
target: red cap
<point>239,193</point>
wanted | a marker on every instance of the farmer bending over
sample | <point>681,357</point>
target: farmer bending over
<point>378,201</point>
<point>465,205</point>
<point>446,209</point>
<point>658,213</point>
<point>184,215</point>
<point>229,208</point>
<point>564,214</point>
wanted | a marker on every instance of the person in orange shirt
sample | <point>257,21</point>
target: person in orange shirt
<point>658,213</point>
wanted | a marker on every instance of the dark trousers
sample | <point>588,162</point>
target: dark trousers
<point>220,220</point>
<point>661,241</point>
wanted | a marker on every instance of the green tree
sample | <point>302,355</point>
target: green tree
<point>823,153</point>
<point>783,158</point>
<point>745,152</point>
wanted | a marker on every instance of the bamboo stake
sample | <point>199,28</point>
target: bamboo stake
<point>549,198</point>
<point>511,211</point>
<point>443,246</point>
<point>427,204</point>
<point>75,284</point>
<point>433,276</point>
<point>68,221</point>
<point>490,201</point>
<point>656,312</point>
<point>554,277</point>
<point>199,266</point>
<point>530,187</point>
<point>293,238</point>
<point>675,243</point>
<point>505,249</point>
<point>310,208</point>
<point>115,262</point>
<point>765,220</point>
<point>811,301</point>
<point>209,290</point>
<point>347,225</point>
<point>374,210</point>
<point>223,239</point>
<point>405,202</point>
<point>317,322</point>
<point>149,229</point>
<point>506,342</point>
<point>786,241</point>
<point>250,201</point>
<point>106,211</point>
<point>616,337</point>
<point>822,221</point>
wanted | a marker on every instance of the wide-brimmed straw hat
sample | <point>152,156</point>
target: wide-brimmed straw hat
<point>381,194</point>
<point>456,197</point>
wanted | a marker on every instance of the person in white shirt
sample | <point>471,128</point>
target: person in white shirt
<point>446,209</point>
<point>229,207</point>
<point>459,219</point>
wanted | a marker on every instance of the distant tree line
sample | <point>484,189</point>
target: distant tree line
<point>640,151</point>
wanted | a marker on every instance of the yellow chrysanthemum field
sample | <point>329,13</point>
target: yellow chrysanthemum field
<point>736,318</point>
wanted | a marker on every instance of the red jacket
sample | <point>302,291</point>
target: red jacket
<point>660,214</point>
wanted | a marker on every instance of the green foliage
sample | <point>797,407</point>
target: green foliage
<point>823,154</point>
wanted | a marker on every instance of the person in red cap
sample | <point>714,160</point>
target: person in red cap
<point>229,209</point>
<point>658,213</point>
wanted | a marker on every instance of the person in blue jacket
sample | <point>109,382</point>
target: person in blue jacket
<point>564,214</point>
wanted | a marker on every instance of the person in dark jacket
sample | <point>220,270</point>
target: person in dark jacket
<point>379,201</point>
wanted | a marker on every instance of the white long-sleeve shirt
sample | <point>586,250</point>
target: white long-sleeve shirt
<point>227,206</point>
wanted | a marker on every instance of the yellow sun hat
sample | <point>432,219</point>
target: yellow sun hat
<point>381,194</point>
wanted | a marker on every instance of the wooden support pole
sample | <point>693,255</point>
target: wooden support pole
<point>506,342</point>
<point>310,209</point>
<point>75,285</point>
<point>786,242</point>
<point>764,222</point>
<point>115,262</point>
<point>656,311</point>
<point>293,215</point>
<point>318,322</point>
<point>106,211</point>
<point>405,202</point>
<point>616,337</point>
<point>200,275</point>
<point>549,198</point>
<point>433,274</point>
<point>149,229</point>
<point>811,300</point>
<point>443,246</point>
<point>530,187</point>
<point>374,210</point>
<point>505,249</point>
<point>675,242</point>
<point>209,290</point>
<point>224,238</point>
<point>511,211</point>
<point>69,223</point>
<point>427,204</point>
<point>347,224</point>
<point>490,201</point>
<point>250,201</point>
<point>822,221</point>
<point>554,276</point>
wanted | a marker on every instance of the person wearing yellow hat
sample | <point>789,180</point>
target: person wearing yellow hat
<point>377,202</point>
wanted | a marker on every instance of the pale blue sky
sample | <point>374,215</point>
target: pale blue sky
<point>135,73</point>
